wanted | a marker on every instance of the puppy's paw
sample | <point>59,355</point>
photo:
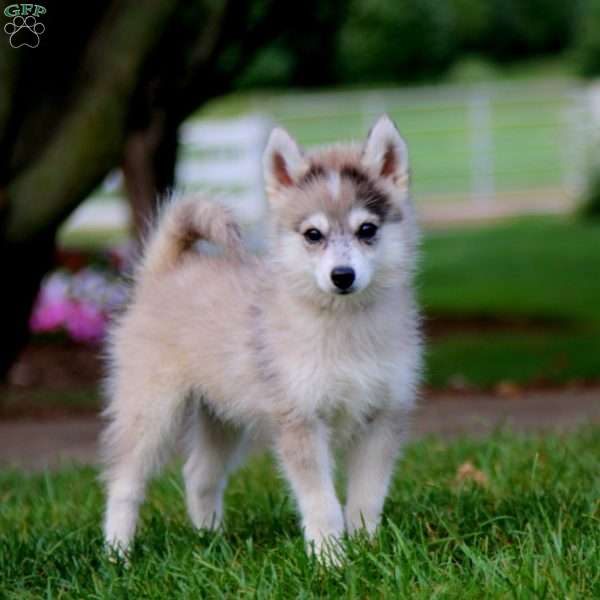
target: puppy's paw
<point>206,520</point>
<point>117,553</point>
<point>206,512</point>
<point>361,522</point>
<point>323,532</point>
<point>328,551</point>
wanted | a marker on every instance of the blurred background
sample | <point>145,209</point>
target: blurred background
<point>106,107</point>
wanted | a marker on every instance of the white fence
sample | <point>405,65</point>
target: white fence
<point>481,147</point>
<point>480,142</point>
<point>224,159</point>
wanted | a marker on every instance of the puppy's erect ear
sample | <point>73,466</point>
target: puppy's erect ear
<point>385,152</point>
<point>283,162</point>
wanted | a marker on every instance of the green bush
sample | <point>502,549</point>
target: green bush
<point>271,67</point>
<point>394,40</point>
<point>472,21</point>
<point>513,29</point>
<point>304,53</point>
<point>587,38</point>
<point>400,40</point>
<point>373,41</point>
<point>528,27</point>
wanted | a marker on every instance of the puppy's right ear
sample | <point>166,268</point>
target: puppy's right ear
<point>283,162</point>
<point>385,152</point>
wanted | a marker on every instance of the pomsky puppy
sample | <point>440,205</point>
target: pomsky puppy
<point>313,344</point>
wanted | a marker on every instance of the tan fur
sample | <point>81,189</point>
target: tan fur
<point>223,346</point>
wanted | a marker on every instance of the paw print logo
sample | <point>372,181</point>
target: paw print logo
<point>24,31</point>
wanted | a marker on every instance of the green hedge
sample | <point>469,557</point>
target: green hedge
<point>396,40</point>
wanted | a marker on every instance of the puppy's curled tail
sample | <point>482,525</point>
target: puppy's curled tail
<point>182,223</point>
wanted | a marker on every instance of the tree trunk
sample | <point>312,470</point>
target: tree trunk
<point>149,170</point>
<point>22,265</point>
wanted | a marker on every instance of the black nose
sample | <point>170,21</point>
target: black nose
<point>343,277</point>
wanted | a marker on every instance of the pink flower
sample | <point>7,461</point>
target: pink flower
<point>52,304</point>
<point>77,303</point>
<point>85,322</point>
<point>48,315</point>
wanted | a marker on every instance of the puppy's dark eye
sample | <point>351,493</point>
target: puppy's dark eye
<point>313,235</point>
<point>366,231</point>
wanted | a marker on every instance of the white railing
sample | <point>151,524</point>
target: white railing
<point>478,146</point>
<point>224,159</point>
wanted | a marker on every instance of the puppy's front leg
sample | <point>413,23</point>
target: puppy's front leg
<point>304,453</point>
<point>371,463</point>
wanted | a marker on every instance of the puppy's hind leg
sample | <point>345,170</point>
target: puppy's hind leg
<point>213,450</point>
<point>135,445</point>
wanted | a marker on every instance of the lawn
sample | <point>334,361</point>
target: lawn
<point>530,529</point>
<point>537,281</point>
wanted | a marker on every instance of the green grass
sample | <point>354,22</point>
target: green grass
<point>477,69</point>
<point>531,532</point>
<point>484,361</point>
<point>47,402</point>
<point>539,271</point>
<point>537,267</point>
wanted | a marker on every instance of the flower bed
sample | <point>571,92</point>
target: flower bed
<point>78,298</point>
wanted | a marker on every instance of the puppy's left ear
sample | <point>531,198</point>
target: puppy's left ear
<point>385,152</point>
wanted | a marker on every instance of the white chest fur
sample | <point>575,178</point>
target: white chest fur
<point>335,364</point>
